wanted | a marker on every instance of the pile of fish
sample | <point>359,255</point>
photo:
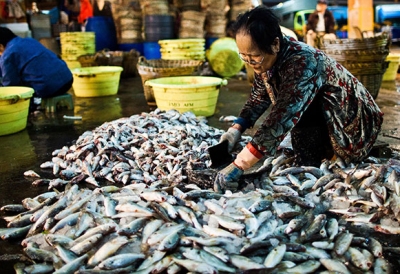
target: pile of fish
<point>138,214</point>
<point>149,147</point>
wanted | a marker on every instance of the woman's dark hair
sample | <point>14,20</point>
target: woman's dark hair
<point>262,25</point>
<point>6,35</point>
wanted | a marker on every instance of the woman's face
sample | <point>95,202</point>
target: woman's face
<point>249,52</point>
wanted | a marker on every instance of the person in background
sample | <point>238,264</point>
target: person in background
<point>326,110</point>
<point>86,11</point>
<point>320,23</point>
<point>102,8</point>
<point>72,9</point>
<point>26,62</point>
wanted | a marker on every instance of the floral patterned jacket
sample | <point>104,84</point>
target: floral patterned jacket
<point>299,74</point>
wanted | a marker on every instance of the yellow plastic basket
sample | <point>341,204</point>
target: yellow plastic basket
<point>391,72</point>
<point>182,43</point>
<point>158,68</point>
<point>14,108</point>
<point>198,94</point>
<point>75,44</point>
<point>96,81</point>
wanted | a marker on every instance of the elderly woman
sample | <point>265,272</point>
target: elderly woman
<point>328,112</point>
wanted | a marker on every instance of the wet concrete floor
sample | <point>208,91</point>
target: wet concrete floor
<point>46,132</point>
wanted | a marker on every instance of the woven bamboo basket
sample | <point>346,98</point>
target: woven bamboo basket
<point>126,60</point>
<point>109,58</point>
<point>372,82</point>
<point>368,43</point>
<point>369,74</point>
<point>129,63</point>
<point>375,55</point>
<point>157,68</point>
<point>87,60</point>
<point>357,68</point>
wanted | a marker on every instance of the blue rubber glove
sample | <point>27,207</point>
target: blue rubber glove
<point>227,178</point>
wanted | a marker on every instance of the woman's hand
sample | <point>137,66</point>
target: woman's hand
<point>232,135</point>
<point>227,178</point>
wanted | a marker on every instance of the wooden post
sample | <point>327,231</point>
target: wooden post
<point>361,17</point>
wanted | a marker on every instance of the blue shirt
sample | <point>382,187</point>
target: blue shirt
<point>26,62</point>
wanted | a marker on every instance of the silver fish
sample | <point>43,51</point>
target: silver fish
<point>150,228</point>
<point>120,260</point>
<point>342,243</point>
<point>107,250</point>
<point>275,256</point>
<point>358,259</point>
<point>215,262</point>
<point>14,232</point>
<point>132,227</point>
<point>41,255</point>
<point>195,266</point>
<point>160,234</point>
<point>31,173</point>
<point>85,245</point>
<point>334,265</point>
<point>69,220</point>
<point>39,268</point>
<point>169,242</point>
<point>244,263</point>
<point>72,266</point>
<point>306,267</point>
<point>14,208</point>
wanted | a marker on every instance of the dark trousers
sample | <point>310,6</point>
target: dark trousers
<point>64,89</point>
<point>310,137</point>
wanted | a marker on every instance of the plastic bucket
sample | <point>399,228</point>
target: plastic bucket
<point>223,57</point>
<point>183,49</point>
<point>157,68</point>
<point>75,44</point>
<point>391,72</point>
<point>198,94</point>
<point>96,81</point>
<point>183,55</point>
<point>14,108</point>
<point>106,35</point>
<point>151,50</point>
<point>182,43</point>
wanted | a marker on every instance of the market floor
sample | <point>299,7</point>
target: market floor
<point>45,132</point>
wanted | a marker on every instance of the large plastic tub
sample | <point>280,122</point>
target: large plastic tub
<point>158,68</point>
<point>198,94</point>
<point>75,44</point>
<point>187,43</point>
<point>391,72</point>
<point>96,81</point>
<point>183,49</point>
<point>14,108</point>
